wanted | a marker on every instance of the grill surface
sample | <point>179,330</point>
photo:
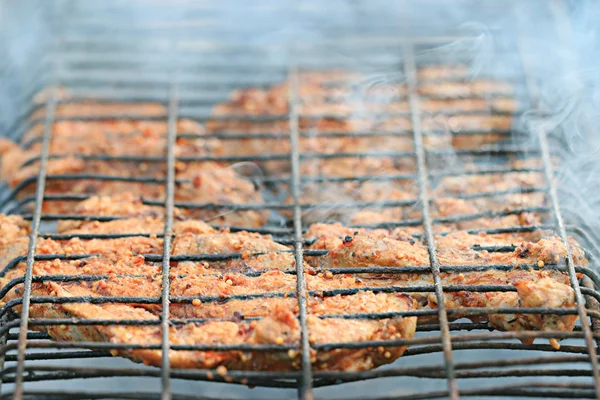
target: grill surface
<point>98,56</point>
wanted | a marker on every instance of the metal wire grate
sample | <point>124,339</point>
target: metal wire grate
<point>446,338</point>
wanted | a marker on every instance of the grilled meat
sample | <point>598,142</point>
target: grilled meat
<point>244,289</point>
<point>197,182</point>
<point>212,293</point>
<point>328,108</point>
<point>348,248</point>
<point>330,115</point>
<point>226,289</point>
<point>328,103</point>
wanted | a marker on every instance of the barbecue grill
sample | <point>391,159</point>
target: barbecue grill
<point>189,57</point>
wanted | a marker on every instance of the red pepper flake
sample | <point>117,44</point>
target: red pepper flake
<point>197,181</point>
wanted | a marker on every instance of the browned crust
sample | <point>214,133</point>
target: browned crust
<point>130,275</point>
<point>199,182</point>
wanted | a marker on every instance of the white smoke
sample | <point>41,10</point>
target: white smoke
<point>23,39</point>
<point>565,67</point>
<point>563,49</point>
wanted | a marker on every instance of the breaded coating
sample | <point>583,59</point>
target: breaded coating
<point>197,182</point>
<point>208,291</point>
<point>243,290</point>
<point>458,114</point>
<point>533,288</point>
<point>366,265</point>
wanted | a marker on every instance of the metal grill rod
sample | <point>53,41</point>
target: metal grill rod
<point>275,205</point>
<point>408,269</point>
<point>167,238</point>
<point>411,79</point>
<point>35,228</point>
<point>12,194</point>
<point>454,326</point>
<point>349,376</point>
<point>485,152</point>
<point>223,79</point>
<point>227,135</point>
<point>108,49</point>
<point>100,395</point>
<point>467,312</point>
<point>262,378</point>
<point>305,383</point>
<point>4,338</point>
<point>272,230</point>
<point>528,389</point>
<point>205,117</point>
<point>460,312</point>
<point>104,62</point>
<point>564,28</point>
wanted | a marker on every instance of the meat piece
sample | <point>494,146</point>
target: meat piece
<point>532,288</point>
<point>337,102</point>
<point>210,291</point>
<point>375,201</point>
<point>14,232</point>
<point>273,319</point>
<point>198,182</point>
<point>222,290</point>
<point>360,104</point>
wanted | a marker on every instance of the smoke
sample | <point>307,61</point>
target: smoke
<point>555,43</point>
<point>23,39</point>
<point>271,35</point>
<point>564,54</point>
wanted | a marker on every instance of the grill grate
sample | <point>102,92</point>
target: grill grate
<point>17,370</point>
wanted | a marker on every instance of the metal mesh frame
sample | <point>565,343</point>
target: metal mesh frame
<point>306,379</point>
